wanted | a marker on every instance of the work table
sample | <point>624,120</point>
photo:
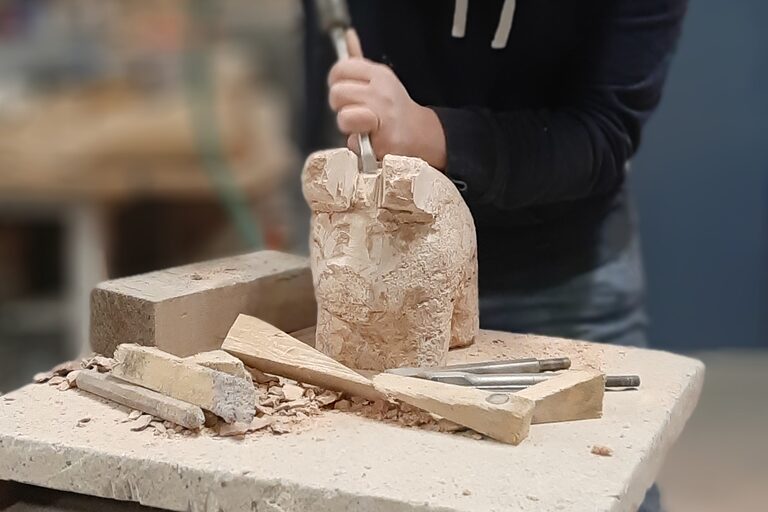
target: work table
<point>340,461</point>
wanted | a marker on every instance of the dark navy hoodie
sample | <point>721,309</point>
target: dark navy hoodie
<point>542,103</point>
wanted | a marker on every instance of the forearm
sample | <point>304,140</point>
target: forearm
<point>528,157</point>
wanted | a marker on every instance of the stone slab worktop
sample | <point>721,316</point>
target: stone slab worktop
<point>342,462</point>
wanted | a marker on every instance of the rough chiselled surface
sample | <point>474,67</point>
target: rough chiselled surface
<point>396,284</point>
<point>189,309</point>
<point>348,463</point>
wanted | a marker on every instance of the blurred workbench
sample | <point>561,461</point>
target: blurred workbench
<point>71,158</point>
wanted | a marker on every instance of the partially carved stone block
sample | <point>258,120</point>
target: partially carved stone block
<point>396,284</point>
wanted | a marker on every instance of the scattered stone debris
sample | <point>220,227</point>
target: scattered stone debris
<point>601,450</point>
<point>100,363</point>
<point>466,492</point>
<point>281,405</point>
<point>68,371</point>
<point>141,423</point>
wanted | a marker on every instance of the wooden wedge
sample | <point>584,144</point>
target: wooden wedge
<point>572,395</point>
<point>267,348</point>
<point>505,417</point>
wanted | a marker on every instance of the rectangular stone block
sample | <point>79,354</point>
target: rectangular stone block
<point>229,397</point>
<point>189,309</point>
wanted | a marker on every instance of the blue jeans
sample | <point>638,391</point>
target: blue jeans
<point>603,305</point>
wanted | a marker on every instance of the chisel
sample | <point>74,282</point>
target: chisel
<point>514,381</point>
<point>529,365</point>
<point>334,19</point>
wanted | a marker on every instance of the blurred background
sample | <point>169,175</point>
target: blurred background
<point>138,135</point>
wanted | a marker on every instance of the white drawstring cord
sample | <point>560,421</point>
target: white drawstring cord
<point>502,30</point>
<point>459,18</point>
<point>505,25</point>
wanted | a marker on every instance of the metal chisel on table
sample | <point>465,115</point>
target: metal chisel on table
<point>511,375</point>
<point>334,19</point>
<point>529,365</point>
<point>516,381</point>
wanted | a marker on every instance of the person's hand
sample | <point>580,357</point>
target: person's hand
<point>369,98</point>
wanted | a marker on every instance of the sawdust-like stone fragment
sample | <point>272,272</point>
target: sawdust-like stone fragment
<point>141,423</point>
<point>279,428</point>
<point>264,409</point>
<point>292,392</point>
<point>603,451</point>
<point>232,429</point>
<point>260,377</point>
<point>270,401</point>
<point>56,380</point>
<point>72,378</point>
<point>342,405</point>
<point>42,378</point>
<point>260,423</point>
<point>63,369</point>
<point>326,398</point>
<point>302,402</point>
<point>100,363</point>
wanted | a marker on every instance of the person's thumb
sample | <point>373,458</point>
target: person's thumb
<point>353,42</point>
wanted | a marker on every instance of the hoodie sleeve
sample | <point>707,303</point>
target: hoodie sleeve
<point>528,157</point>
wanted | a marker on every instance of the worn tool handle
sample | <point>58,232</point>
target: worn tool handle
<point>332,14</point>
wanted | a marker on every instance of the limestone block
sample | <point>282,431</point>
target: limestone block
<point>395,284</point>
<point>229,397</point>
<point>189,309</point>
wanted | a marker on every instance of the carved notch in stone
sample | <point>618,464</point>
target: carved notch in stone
<point>395,285</point>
